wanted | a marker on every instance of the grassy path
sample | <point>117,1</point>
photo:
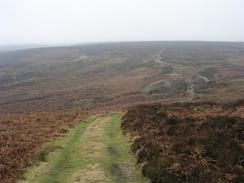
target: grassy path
<point>95,151</point>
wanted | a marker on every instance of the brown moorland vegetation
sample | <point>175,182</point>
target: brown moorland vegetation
<point>201,142</point>
<point>98,75</point>
<point>22,134</point>
<point>109,76</point>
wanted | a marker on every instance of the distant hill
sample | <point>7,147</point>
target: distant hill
<point>119,74</point>
<point>4,48</point>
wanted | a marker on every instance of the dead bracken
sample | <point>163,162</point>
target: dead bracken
<point>188,142</point>
<point>22,134</point>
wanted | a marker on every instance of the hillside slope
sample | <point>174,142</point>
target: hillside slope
<point>120,74</point>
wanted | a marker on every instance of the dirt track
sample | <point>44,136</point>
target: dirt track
<point>95,151</point>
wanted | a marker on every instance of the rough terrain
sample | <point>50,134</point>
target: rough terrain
<point>191,142</point>
<point>46,92</point>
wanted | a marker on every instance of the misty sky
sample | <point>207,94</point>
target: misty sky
<point>80,21</point>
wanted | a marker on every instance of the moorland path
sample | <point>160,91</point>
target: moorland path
<point>95,151</point>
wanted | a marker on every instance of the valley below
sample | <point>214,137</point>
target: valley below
<point>119,74</point>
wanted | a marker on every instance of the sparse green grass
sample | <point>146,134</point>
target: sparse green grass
<point>94,151</point>
<point>58,163</point>
<point>119,161</point>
